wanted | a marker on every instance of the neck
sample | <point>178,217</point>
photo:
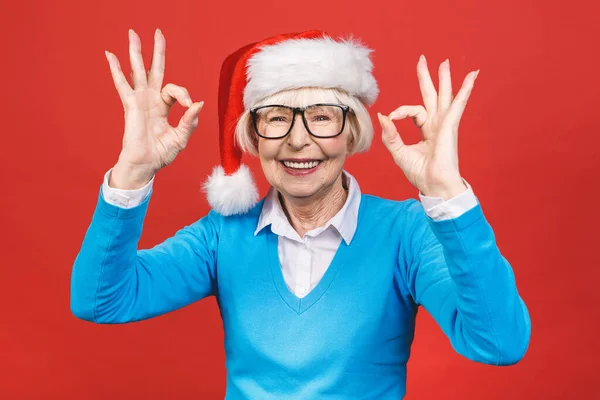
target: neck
<point>307,214</point>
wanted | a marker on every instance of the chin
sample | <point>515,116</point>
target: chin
<point>300,189</point>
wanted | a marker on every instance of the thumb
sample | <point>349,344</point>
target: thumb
<point>389,135</point>
<point>189,120</point>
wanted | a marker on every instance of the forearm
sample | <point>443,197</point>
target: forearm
<point>104,268</point>
<point>492,322</point>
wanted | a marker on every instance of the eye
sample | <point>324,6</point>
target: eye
<point>277,119</point>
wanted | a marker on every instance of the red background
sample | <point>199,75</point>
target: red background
<point>528,146</point>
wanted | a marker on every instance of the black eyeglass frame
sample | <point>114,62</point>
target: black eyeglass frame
<point>299,110</point>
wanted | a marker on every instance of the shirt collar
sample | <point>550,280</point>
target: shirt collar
<point>345,221</point>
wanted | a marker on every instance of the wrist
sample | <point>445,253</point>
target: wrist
<point>446,191</point>
<point>129,177</point>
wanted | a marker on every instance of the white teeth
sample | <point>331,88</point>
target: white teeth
<point>303,165</point>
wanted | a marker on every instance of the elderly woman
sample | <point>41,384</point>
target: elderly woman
<point>318,284</point>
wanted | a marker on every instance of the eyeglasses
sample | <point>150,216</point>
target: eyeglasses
<point>320,120</point>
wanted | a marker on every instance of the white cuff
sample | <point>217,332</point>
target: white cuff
<point>438,209</point>
<point>124,198</point>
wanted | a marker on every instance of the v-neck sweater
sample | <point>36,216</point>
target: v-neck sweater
<point>350,337</point>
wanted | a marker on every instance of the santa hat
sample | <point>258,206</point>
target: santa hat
<point>258,70</point>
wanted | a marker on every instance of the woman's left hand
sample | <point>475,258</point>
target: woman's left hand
<point>432,164</point>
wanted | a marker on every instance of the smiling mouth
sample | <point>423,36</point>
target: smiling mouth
<point>301,165</point>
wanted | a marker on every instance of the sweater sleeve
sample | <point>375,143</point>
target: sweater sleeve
<point>456,271</point>
<point>114,282</point>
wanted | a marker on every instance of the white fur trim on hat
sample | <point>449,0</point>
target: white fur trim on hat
<point>231,194</point>
<point>321,62</point>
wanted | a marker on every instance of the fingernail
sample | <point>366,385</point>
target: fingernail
<point>422,58</point>
<point>476,73</point>
<point>158,31</point>
<point>131,32</point>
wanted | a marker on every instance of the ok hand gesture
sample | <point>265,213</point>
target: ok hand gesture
<point>432,164</point>
<point>149,142</point>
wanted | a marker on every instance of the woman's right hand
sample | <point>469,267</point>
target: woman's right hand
<point>149,142</point>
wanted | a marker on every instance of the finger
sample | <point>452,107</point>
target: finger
<point>125,91</point>
<point>389,135</point>
<point>172,94</point>
<point>138,77</point>
<point>417,113</point>
<point>445,95</point>
<point>426,84</point>
<point>189,120</point>
<point>460,101</point>
<point>157,68</point>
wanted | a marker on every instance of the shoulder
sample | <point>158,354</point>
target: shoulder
<point>236,221</point>
<point>397,217</point>
<point>407,208</point>
<point>406,217</point>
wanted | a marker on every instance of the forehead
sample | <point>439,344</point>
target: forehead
<point>302,97</point>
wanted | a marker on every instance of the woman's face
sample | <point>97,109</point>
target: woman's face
<point>328,154</point>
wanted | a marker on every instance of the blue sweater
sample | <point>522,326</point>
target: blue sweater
<point>350,337</point>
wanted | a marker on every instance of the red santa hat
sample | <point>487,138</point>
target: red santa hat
<point>258,70</point>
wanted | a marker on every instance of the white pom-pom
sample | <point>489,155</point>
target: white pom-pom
<point>231,194</point>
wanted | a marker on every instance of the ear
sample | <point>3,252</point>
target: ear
<point>351,145</point>
<point>353,126</point>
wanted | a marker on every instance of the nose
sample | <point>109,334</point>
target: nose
<point>299,136</point>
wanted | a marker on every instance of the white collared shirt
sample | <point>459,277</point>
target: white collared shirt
<point>304,260</point>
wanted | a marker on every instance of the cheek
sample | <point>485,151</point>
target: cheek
<point>267,151</point>
<point>336,149</point>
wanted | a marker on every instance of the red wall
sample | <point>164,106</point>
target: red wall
<point>528,146</point>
